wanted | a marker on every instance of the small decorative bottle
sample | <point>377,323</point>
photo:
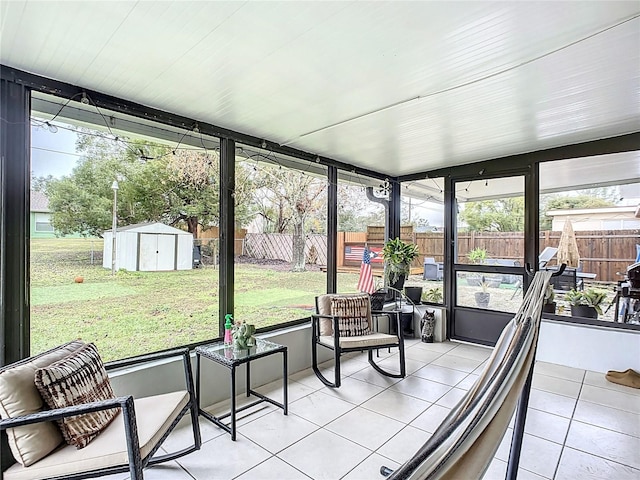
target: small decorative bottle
<point>228,326</point>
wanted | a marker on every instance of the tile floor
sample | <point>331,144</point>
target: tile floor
<point>579,426</point>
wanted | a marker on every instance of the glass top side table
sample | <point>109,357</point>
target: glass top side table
<point>227,356</point>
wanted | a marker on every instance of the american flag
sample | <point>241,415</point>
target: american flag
<point>365,283</point>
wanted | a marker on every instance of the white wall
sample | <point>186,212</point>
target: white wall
<point>592,348</point>
<point>588,347</point>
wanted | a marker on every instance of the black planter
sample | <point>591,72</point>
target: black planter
<point>549,307</point>
<point>407,323</point>
<point>482,299</point>
<point>397,285</point>
<point>414,294</point>
<point>583,311</point>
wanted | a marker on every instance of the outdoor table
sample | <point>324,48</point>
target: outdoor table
<point>231,358</point>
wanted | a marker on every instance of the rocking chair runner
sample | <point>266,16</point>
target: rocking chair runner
<point>344,323</point>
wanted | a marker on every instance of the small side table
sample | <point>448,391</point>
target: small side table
<point>226,356</point>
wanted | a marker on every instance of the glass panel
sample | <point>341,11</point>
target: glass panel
<point>73,291</point>
<point>593,230</point>
<point>490,221</point>
<point>282,242</point>
<point>489,291</point>
<point>360,223</point>
<point>423,211</point>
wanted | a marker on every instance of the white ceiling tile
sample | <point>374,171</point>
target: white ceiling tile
<point>394,86</point>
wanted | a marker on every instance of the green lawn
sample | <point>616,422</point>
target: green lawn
<point>139,312</point>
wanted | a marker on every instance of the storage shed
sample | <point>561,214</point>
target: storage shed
<point>149,247</point>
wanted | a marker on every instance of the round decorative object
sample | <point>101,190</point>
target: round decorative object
<point>78,279</point>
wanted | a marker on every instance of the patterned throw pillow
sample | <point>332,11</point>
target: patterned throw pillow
<point>354,315</point>
<point>77,379</point>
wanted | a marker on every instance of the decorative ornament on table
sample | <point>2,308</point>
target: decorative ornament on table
<point>243,336</point>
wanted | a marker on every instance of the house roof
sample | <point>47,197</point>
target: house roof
<point>391,86</point>
<point>39,202</point>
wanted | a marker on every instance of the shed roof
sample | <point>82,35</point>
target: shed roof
<point>152,227</point>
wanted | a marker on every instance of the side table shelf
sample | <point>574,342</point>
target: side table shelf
<point>226,356</point>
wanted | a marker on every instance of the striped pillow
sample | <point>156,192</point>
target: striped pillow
<point>76,379</point>
<point>354,314</point>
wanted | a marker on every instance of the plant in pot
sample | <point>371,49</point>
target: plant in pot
<point>477,256</point>
<point>398,256</point>
<point>587,303</point>
<point>433,295</point>
<point>549,305</point>
<point>483,296</point>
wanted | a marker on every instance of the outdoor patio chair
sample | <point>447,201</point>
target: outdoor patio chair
<point>545,256</point>
<point>466,441</point>
<point>344,323</point>
<point>64,395</point>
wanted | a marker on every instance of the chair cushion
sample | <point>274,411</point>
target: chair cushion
<point>19,396</point>
<point>364,341</point>
<point>76,379</point>
<point>154,416</point>
<point>354,313</point>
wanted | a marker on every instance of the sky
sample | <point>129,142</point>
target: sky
<point>52,153</point>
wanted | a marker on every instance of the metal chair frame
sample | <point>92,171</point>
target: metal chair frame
<point>136,462</point>
<point>338,351</point>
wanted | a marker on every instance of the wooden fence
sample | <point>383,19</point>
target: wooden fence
<point>603,252</point>
<point>280,246</point>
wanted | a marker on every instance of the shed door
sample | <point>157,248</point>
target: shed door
<point>156,252</point>
<point>166,259</point>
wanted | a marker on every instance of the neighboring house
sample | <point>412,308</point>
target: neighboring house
<point>607,218</point>
<point>40,218</point>
<point>41,226</point>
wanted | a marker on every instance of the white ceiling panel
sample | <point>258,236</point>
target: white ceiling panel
<point>393,86</point>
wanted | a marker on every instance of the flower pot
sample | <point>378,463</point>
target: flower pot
<point>482,299</point>
<point>414,294</point>
<point>584,311</point>
<point>549,307</point>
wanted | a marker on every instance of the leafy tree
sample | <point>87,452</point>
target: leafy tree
<point>567,202</point>
<point>156,184</point>
<point>504,215</point>
<point>286,199</point>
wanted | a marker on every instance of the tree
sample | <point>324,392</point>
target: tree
<point>504,215</point>
<point>286,199</point>
<point>156,184</point>
<point>568,202</point>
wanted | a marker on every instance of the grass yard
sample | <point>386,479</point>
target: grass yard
<point>138,312</point>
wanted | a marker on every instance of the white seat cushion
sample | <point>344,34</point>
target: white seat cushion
<point>363,341</point>
<point>19,396</point>
<point>154,415</point>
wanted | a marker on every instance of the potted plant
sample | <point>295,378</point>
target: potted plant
<point>433,295</point>
<point>483,296</point>
<point>586,303</point>
<point>549,305</point>
<point>398,256</point>
<point>477,256</point>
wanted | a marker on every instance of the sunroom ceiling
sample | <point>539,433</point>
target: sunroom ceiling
<point>395,87</point>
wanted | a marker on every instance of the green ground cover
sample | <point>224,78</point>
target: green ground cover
<point>138,312</point>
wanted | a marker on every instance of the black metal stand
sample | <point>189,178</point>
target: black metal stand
<point>523,404</point>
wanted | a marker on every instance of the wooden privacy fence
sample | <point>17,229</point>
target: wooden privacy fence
<point>603,252</point>
<point>279,246</point>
